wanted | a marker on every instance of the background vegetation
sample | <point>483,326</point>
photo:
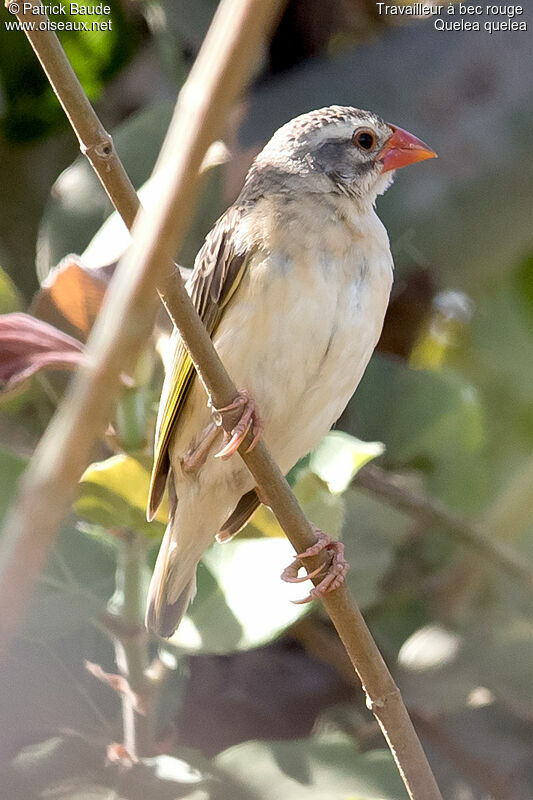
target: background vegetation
<point>254,698</point>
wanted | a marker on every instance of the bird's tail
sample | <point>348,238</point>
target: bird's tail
<point>172,587</point>
<point>173,583</point>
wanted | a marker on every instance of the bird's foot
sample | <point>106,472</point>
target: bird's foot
<point>249,420</point>
<point>196,455</point>
<point>336,569</point>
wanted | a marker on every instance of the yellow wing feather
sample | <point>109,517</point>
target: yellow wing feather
<point>217,273</point>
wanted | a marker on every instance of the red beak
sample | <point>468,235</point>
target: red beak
<point>402,149</point>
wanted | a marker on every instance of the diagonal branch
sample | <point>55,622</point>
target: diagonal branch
<point>95,142</point>
<point>125,322</point>
<point>395,491</point>
<point>128,313</point>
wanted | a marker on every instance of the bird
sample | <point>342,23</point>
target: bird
<point>292,284</point>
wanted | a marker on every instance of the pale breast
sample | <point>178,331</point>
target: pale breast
<point>306,318</point>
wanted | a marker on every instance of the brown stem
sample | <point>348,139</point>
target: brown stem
<point>125,322</point>
<point>395,491</point>
<point>128,313</point>
<point>95,141</point>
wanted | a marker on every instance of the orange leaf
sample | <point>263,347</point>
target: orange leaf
<point>73,292</point>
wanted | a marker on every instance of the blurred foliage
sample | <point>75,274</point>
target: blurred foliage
<point>114,493</point>
<point>70,768</point>
<point>292,769</point>
<point>11,468</point>
<point>450,396</point>
<point>30,108</point>
<point>229,611</point>
<point>77,206</point>
<point>70,297</point>
<point>429,419</point>
<point>9,297</point>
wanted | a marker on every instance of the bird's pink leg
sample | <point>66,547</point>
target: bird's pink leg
<point>249,420</point>
<point>335,571</point>
<point>197,453</point>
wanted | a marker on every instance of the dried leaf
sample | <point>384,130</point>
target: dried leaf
<point>118,754</point>
<point>73,293</point>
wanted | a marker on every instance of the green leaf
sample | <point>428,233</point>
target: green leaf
<point>501,345</point>
<point>9,296</point>
<point>241,601</point>
<point>74,588</point>
<point>55,613</point>
<point>113,493</point>
<point>57,607</point>
<point>437,670</point>
<point>433,420</point>
<point>229,612</point>
<point>523,284</point>
<point>90,560</point>
<point>505,653</point>
<point>317,768</point>
<point>173,770</point>
<point>420,411</point>
<point>71,768</point>
<point>502,340</point>
<point>324,509</point>
<point>48,766</point>
<point>95,56</point>
<point>441,670</point>
<point>340,456</point>
<point>371,535</point>
<point>11,468</point>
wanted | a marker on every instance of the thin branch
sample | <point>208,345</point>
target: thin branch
<point>126,318</point>
<point>128,314</point>
<point>95,141</point>
<point>395,491</point>
<point>125,626</point>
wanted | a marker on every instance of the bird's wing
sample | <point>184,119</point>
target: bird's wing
<point>240,516</point>
<point>218,270</point>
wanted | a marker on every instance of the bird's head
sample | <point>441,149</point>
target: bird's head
<point>335,149</point>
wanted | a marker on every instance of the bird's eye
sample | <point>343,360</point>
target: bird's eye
<point>364,139</point>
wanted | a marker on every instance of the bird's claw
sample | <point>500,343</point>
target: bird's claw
<point>196,455</point>
<point>249,420</point>
<point>335,571</point>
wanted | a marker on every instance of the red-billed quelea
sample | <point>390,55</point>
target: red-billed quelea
<point>292,284</point>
